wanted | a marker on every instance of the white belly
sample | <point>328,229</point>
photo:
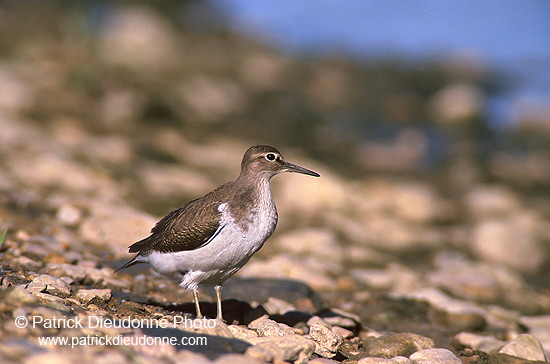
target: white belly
<point>222,257</point>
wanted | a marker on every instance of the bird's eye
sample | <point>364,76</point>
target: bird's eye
<point>270,157</point>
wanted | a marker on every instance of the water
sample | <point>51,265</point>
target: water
<point>510,36</point>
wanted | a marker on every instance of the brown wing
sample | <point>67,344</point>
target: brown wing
<point>186,228</point>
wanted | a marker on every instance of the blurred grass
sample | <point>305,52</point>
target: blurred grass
<point>3,237</point>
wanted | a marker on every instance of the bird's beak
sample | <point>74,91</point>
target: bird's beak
<point>297,169</point>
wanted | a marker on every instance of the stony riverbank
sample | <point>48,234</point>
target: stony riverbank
<point>389,257</point>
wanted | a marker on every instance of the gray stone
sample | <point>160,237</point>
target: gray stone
<point>294,348</point>
<point>205,326</point>
<point>50,284</point>
<point>524,346</point>
<point>511,242</point>
<point>317,242</point>
<point>68,215</point>
<point>87,295</point>
<point>339,317</point>
<point>52,301</point>
<point>402,360</point>
<point>459,314</point>
<point>241,332</point>
<point>276,306</point>
<point>327,343</point>
<point>190,357</point>
<point>374,360</point>
<point>434,356</point>
<point>488,344</point>
<point>17,296</point>
<point>322,361</point>
<point>399,344</point>
<point>81,274</point>
<point>237,358</point>
<point>267,327</point>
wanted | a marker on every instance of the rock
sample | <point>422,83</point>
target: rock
<point>316,320</point>
<point>260,290</point>
<point>511,242</point>
<point>491,201</point>
<point>434,356</point>
<point>68,215</point>
<point>276,306</point>
<point>57,356</point>
<point>208,327</point>
<point>87,295</point>
<point>105,222</point>
<point>374,360</point>
<point>338,317</point>
<point>340,331</point>
<point>236,358</point>
<point>327,343</point>
<point>402,360</point>
<point>309,270</point>
<point>539,327</point>
<point>322,361</point>
<point>486,343</point>
<point>17,348</point>
<point>321,243</point>
<point>17,296</point>
<point>267,327</point>
<point>52,301</point>
<point>458,314</point>
<point>457,103</point>
<point>524,346</point>
<point>25,262</point>
<point>399,344</point>
<point>241,332</point>
<point>190,357</point>
<point>50,284</point>
<point>294,348</point>
<point>128,30</point>
<point>80,274</point>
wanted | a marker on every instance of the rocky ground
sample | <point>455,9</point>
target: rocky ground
<point>378,261</point>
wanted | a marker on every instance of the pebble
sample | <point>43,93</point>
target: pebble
<point>294,348</point>
<point>267,327</point>
<point>434,356</point>
<point>338,317</point>
<point>50,284</point>
<point>68,215</point>
<point>190,357</point>
<point>510,242</point>
<point>486,343</point>
<point>52,301</point>
<point>458,314</point>
<point>402,360</point>
<point>87,295</point>
<point>374,360</point>
<point>17,296</point>
<point>524,346</point>
<point>241,332</point>
<point>398,344</point>
<point>276,306</point>
<point>321,243</point>
<point>327,342</point>
<point>237,358</point>
<point>81,274</point>
<point>25,262</point>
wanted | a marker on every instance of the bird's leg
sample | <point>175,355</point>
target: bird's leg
<point>197,306</point>
<point>218,289</point>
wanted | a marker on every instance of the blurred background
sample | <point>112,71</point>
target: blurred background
<point>429,122</point>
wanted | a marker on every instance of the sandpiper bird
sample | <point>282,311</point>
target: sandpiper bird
<point>209,239</point>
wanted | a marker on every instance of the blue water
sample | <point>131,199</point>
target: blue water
<point>509,36</point>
